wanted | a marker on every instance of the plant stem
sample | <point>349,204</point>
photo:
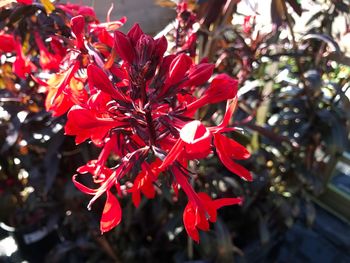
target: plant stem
<point>294,43</point>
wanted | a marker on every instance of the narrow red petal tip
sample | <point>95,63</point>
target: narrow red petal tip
<point>236,151</point>
<point>199,74</point>
<point>135,33</point>
<point>78,24</point>
<point>112,213</point>
<point>178,68</point>
<point>124,47</point>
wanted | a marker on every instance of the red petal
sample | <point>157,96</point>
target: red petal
<point>208,205</point>
<point>25,2</point>
<point>83,188</point>
<point>197,139</point>
<point>222,87</point>
<point>190,219</point>
<point>136,198</point>
<point>173,154</point>
<point>86,119</point>
<point>187,188</point>
<point>84,123</point>
<point>233,149</point>
<point>102,82</point>
<point>123,47</point>
<point>112,213</point>
<point>230,109</point>
<point>227,161</point>
<point>199,74</point>
<point>7,43</point>
<point>202,222</point>
<point>78,26</point>
<point>107,184</point>
<point>178,69</point>
<point>68,76</point>
<point>161,46</point>
<point>135,33</point>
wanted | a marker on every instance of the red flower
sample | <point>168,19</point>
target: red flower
<point>144,182</point>
<point>195,218</point>
<point>7,43</point>
<point>47,60</point>
<point>78,29</point>
<point>22,65</point>
<point>227,150</point>
<point>85,124</point>
<point>76,9</point>
<point>221,88</point>
<point>140,50</point>
<point>112,213</point>
<point>64,90</point>
<point>194,143</point>
<point>25,2</point>
<point>248,24</point>
<point>186,35</point>
<point>100,81</point>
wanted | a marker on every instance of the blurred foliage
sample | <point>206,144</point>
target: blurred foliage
<point>294,106</point>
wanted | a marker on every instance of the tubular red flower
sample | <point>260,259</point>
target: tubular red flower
<point>221,88</point>
<point>199,74</point>
<point>194,143</point>
<point>161,45</point>
<point>195,218</point>
<point>227,150</point>
<point>25,2</point>
<point>143,183</point>
<point>134,34</point>
<point>75,10</point>
<point>178,69</point>
<point>197,140</point>
<point>7,43</point>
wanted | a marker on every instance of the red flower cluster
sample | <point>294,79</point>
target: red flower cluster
<point>51,47</point>
<point>125,95</point>
<point>186,35</point>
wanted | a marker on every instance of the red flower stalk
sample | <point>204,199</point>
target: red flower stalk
<point>140,108</point>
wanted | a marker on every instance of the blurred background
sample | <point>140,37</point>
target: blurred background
<point>292,60</point>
